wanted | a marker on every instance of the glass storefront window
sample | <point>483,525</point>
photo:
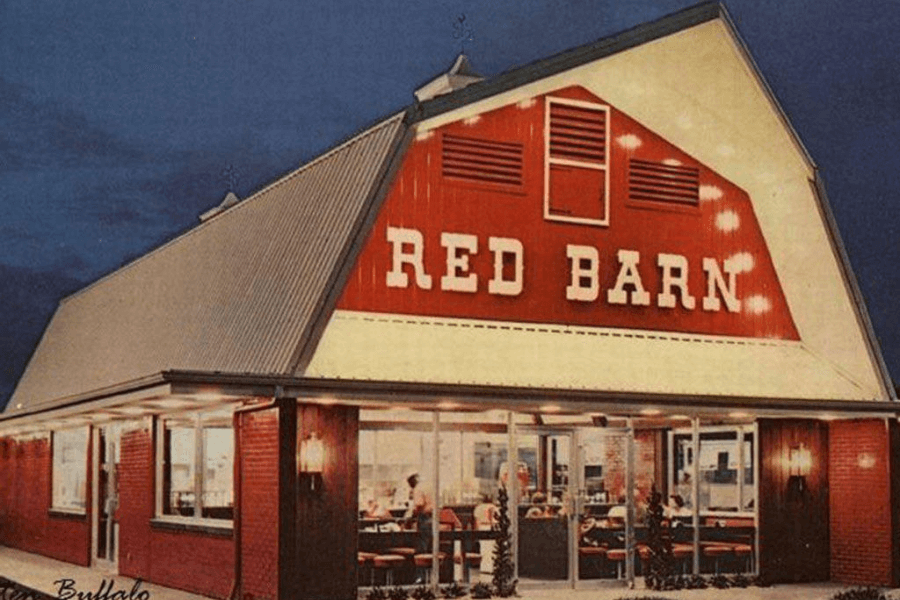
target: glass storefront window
<point>721,463</point>
<point>70,470</point>
<point>197,466</point>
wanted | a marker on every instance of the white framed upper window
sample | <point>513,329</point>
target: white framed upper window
<point>576,161</point>
<point>195,467</point>
<point>69,470</point>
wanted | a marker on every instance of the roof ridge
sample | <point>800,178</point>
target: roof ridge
<point>573,57</point>
<point>255,195</point>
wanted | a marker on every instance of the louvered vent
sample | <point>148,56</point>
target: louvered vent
<point>484,161</point>
<point>577,133</point>
<point>660,182</point>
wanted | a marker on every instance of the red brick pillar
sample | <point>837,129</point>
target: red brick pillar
<point>863,550</point>
<point>265,480</point>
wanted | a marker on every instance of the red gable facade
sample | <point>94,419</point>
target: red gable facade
<point>562,209</point>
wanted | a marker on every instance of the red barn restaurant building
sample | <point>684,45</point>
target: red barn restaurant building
<point>608,271</point>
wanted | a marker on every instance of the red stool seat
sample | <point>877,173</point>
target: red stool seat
<point>616,554</point>
<point>472,559</point>
<point>592,551</point>
<point>682,550</point>
<point>387,561</point>
<point>424,560</point>
<point>743,549</point>
<point>403,551</point>
<point>713,550</point>
<point>364,557</point>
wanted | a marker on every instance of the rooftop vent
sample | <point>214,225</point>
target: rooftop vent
<point>459,76</point>
<point>229,201</point>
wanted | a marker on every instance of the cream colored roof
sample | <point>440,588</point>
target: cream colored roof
<point>237,294</point>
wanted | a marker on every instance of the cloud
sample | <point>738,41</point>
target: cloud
<point>37,133</point>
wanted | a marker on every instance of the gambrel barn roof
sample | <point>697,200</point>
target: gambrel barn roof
<point>252,290</point>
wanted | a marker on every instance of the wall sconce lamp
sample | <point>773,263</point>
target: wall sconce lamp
<point>799,464</point>
<point>312,460</point>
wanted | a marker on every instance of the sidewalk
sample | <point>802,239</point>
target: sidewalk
<point>39,572</point>
<point>807,591</point>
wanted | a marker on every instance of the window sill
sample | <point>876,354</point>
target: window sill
<point>68,513</point>
<point>225,530</point>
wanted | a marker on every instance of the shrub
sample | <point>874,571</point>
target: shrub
<point>739,581</point>
<point>504,584</point>
<point>422,593</point>
<point>398,593</point>
<point>481,590</point>
<point>719,581</point>
<point>376,593</point>
<point>860,593</point>
<point>454,590</point>
<point>695,582</point>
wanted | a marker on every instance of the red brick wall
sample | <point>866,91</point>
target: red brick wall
<point>187,560</point>
<point>135,502</point>
<point>859,476</point>
<point>194,562</point>
<point>25,498</point>
<point>259,442</point>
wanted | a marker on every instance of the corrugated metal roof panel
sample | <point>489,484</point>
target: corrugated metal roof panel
<point>235,294</point>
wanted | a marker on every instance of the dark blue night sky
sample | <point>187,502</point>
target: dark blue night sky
<point>122,120</point>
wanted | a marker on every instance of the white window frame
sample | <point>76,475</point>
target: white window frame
<point>199,458</point>
<point>548,161</point>
<point>53,468</point>
<point>742,431</point>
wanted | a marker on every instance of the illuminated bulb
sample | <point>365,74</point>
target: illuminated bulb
<point>629,141</point>
<point>727,220</point>
<point>757,305</point>
<point>710,192</point>
<point>742,262</point>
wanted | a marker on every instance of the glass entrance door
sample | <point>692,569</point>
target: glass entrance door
<point>107,495</point>
<point>546,506</point>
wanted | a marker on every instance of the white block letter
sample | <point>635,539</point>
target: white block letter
<point>585,283</point>
<point>399,237</point>
<point>458,262</point>
<point>502,247</point>
<point>715,281</point>
<point>674,275</point>
<point>628,275</point>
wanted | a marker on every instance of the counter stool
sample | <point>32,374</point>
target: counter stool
<point>716,552</point>
<point>472,559</point>
<point>643,551</point>
<point>617,555</point>
<point>407,552</point>
<point>745,553</point>
<point>364,560</point>
<point>423,561</point>
<point>387,563</point>
<point>683,553</point>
